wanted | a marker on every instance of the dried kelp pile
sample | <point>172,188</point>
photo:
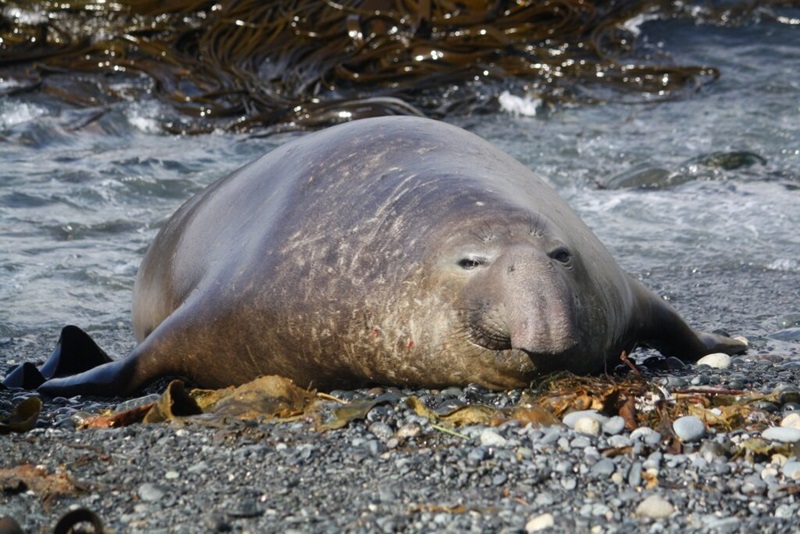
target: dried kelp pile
<point>275,399</point>
<point>245,64</point>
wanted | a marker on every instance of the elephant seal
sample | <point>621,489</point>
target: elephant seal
<point>394,250</point>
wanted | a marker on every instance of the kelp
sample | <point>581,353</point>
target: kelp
<point>23,417</point>
<point>245,64</point>
<point>640,402</point>
<point>37,479</point>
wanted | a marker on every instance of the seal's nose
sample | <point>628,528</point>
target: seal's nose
<point>540,303</point>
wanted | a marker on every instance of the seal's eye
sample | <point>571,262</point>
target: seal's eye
<point>471,263</point>
<point>561,255</point>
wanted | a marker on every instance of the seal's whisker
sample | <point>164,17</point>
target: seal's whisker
<point>537,225</point>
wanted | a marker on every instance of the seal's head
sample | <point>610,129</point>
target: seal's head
<point>518,296</point>
<point>516,288</point>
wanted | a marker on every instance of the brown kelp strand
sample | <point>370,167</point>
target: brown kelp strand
<point>248,64</point>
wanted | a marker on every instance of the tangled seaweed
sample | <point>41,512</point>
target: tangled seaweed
<point>244,64</point>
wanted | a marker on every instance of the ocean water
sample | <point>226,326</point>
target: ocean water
<point>82,193</point>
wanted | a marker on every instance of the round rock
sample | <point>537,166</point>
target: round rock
<point>149,492</point>
<point>655,507</point>
<point>540,522</point>
<point>614,425</point>
<point>782,434</point>
<point>717,360</point>
<point>646,434</point>
<point>588,425</point>
<point>490,438</point>
<point>571,418</point>
<point>689,428</point>
<point>791,469</point>
<point>791,421</point>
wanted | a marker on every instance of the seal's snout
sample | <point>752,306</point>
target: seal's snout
<point>527,302</point>
<point>539,301</point>
<point>543,334</point>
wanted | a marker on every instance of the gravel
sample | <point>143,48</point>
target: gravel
<point>395,471</point>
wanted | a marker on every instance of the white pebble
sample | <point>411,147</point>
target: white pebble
<point>656,507</point>
<point>769,473</point>
<point>587,425</point>
<point>571,418</point>
<point>490,438</point>
<point>782,434</point>
<point>540,522</point>
<point>717,360</point>
<point>689,428</point>
<point>409,430</point>
<point>791,470</point>
<point>791,421</point>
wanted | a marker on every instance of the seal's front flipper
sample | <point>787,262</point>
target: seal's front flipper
<point>74,353</point>
<point>690,345</point>
<point>660,327</point>
<point>720,343</point>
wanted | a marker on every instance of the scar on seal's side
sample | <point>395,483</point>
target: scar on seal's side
<point>395,250</point>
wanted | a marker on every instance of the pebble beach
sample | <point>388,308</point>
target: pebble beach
<point>396,471</point>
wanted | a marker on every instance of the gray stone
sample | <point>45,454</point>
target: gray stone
<point>614,425</point>
<point>604,468</point>
<point>382,431</point>
<point>620,441</point>
<point>643,432</point>
<point>791,470</point>
<point>149,492</point>
<point>689,428</point>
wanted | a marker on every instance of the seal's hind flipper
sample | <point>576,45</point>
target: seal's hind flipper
<point>75,352</point>
<point>25,376</point>
<point>108,380</point>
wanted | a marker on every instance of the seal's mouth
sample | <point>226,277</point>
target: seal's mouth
<point>485,329</point>
<point>490,339</point>
<point>488,332</point>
